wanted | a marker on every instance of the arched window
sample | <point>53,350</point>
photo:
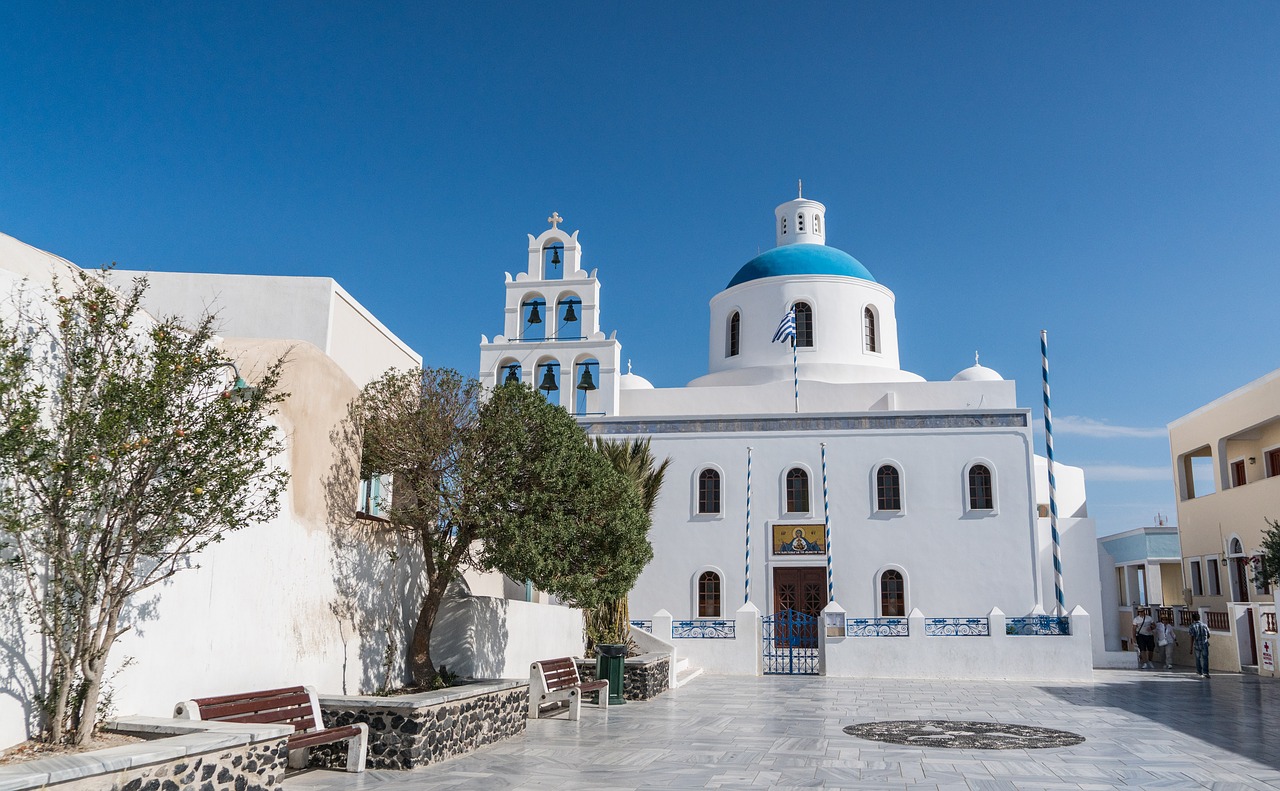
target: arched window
<point>709,492</point>
<point>804,325</point>
<point>799,223</point>
<point>732,340</point>
<point>869,330</point>
<point>797,491</point>
<point>817,223</point>
<point>981,491</point>
<point>784,226</point>
<point>1236,547</point>
<point>708,595</point>
<point>888,489</point>
<point>893,595</point>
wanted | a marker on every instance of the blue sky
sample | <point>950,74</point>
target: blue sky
<point>1108,172</point>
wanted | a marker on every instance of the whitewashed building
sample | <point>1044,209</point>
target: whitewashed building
<point>819,478</point>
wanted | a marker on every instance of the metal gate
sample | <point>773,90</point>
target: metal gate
<point>790,644</point>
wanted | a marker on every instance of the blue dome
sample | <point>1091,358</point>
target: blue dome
<point>801,259</point>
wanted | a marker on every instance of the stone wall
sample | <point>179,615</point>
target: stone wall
<point>416,730</point>
<point>644,677</point>
<point>194,761</point>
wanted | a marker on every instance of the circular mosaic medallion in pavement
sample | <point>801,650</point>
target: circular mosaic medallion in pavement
<point>964,735</point>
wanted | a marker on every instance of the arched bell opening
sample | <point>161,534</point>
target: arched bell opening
<point>553,261</point>
<point>509,371</point>
<point>569,319</point>
<point>533,324</point>
<point>586,387</point>
<point>548,380</point>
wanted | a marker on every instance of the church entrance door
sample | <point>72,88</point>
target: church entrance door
<point>790,634</point>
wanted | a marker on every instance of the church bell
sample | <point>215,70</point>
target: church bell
<point>548,381</point>
<point>586,382</point>
<point>511,375</point>
<point>569,315</point>
<point>555,256</point>
<point>534,316</point>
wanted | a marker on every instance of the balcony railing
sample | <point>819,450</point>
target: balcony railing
<point>957,627</point>
<point>1217,621</point>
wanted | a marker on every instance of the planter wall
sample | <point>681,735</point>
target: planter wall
<point>203,756</point>
<point>645,676</point>
<point>408,731</point>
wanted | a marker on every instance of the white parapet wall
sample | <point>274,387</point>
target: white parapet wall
<point>989,646</point>
<point>956,648</point>
<point>487,637</point>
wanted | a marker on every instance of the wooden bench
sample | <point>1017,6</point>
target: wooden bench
<point>557,681</point>
<point>296,706</point>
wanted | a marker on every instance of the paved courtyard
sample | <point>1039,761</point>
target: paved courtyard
<point>1141,729</point>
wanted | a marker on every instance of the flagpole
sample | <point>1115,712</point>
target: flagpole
<point>826,521</point>
<point>747,576</point>
<point>1060,610</point>
<point>795,371</point>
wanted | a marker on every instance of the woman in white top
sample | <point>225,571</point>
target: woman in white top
<point>1166,639</point>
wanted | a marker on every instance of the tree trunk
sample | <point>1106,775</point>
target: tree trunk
<point>89,704</point>
<point>421,670</point>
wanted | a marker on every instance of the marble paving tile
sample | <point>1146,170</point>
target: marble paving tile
<point>1141,731</point>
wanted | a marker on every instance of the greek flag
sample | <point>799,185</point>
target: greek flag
<point>787,327</point>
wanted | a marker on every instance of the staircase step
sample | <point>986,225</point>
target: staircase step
<point>688,675</point>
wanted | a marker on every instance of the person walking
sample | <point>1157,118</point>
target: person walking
<point>1200,645</point>
<point>1166,639</point>
<point>1144,633</point>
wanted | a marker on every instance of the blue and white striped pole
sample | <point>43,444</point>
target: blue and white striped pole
<point>795,372</point>
<point>826,521</point>
<point>746,595</point>
<point>1061,608</point>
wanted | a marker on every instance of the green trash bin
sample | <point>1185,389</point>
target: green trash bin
<point>610,666</point>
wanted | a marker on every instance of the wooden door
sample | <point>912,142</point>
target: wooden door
<point>803,589</point>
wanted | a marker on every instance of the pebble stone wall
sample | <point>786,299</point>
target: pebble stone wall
<point>252,767</point>
<point>407,736</point>
<point>643,677</point>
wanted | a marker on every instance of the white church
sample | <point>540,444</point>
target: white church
<point>820,496</point>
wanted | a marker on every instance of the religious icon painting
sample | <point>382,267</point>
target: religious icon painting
<point>798,540</point>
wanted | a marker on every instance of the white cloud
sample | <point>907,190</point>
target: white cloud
<point>1088,427</point>
<point>1126,472</point>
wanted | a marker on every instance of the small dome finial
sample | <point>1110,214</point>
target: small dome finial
<point>799,188</point>
<point>628,365</point>
<point>975,357</point>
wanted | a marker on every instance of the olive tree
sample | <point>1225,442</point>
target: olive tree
<point>127,446</point>
<point>498,480</point>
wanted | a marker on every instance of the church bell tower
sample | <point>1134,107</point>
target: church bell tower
<point>551,336</point>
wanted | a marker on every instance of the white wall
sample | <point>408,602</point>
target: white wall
<point>487,637</point>
<point>947,554</point>
<point>1002,656</point>
<point>312,309</point>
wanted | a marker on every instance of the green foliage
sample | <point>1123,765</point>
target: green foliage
<point>551,509</point>
<point>127,452</point>
<point>509,484</point>
<point>1271,552</point>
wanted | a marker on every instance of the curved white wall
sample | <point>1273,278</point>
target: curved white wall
<point>839,350</point>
